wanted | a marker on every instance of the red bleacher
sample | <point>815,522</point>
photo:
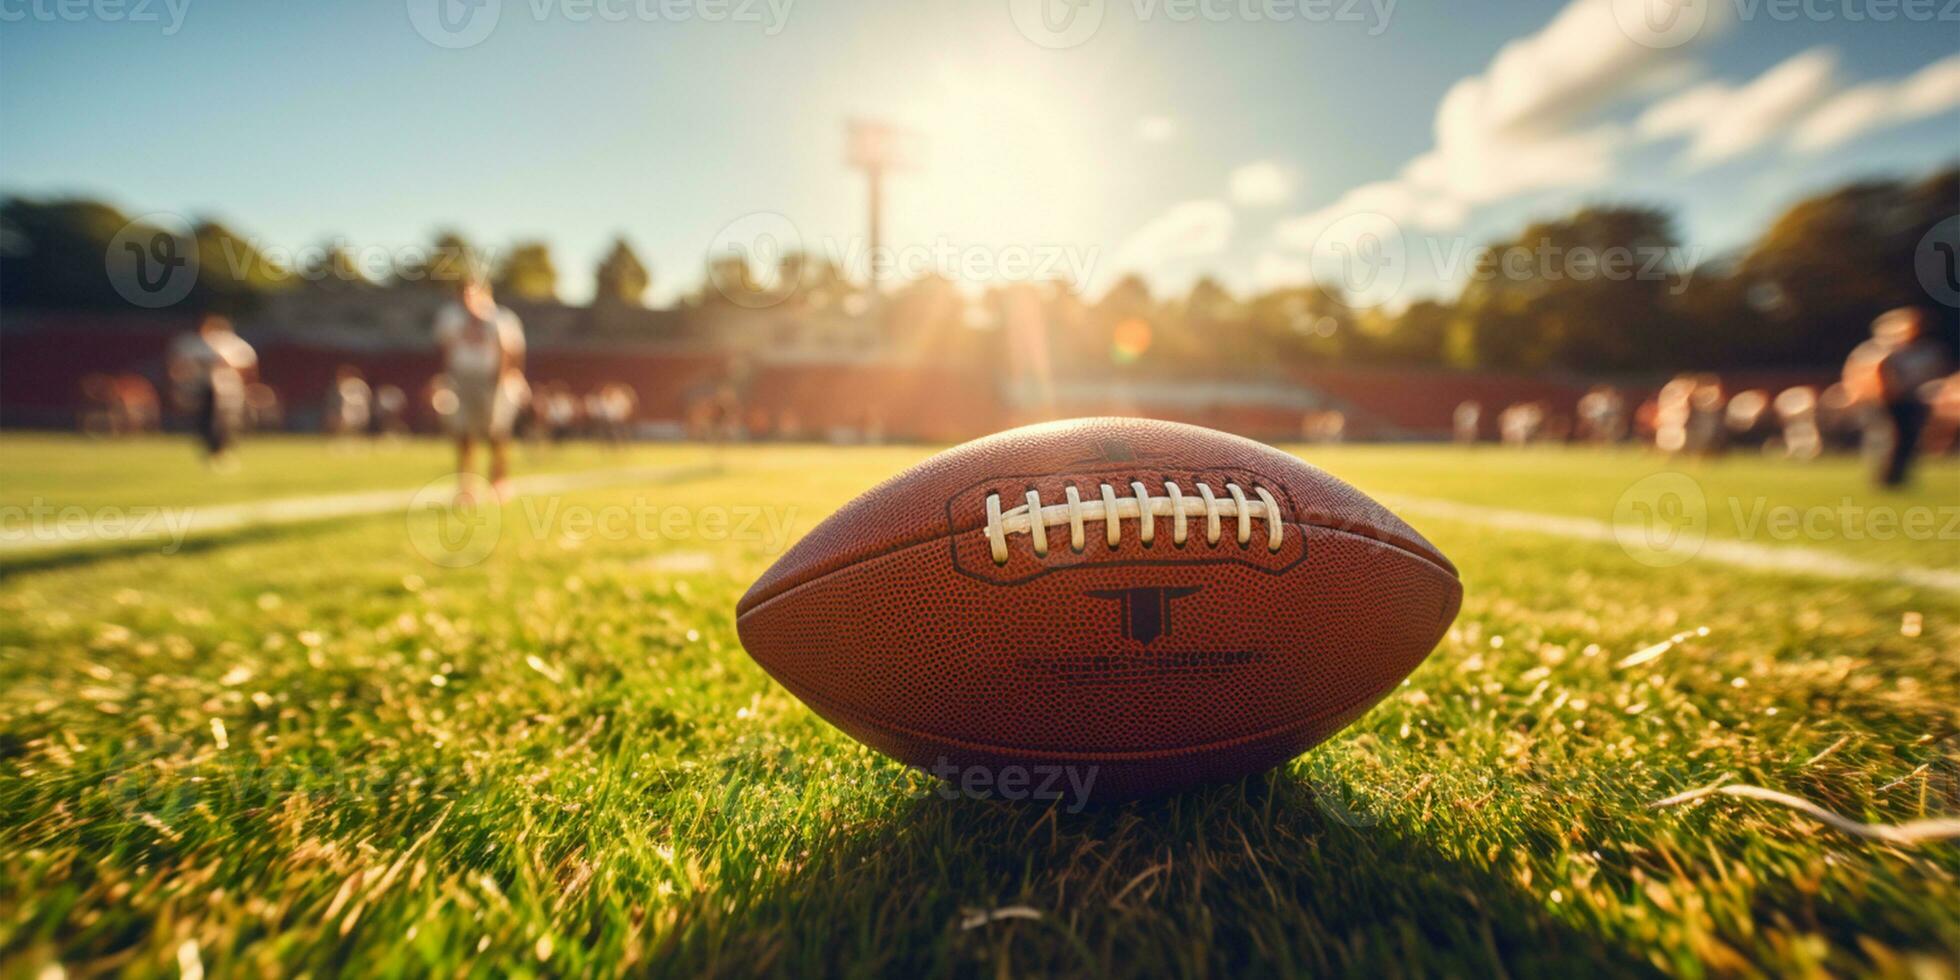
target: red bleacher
<point>43,359</point>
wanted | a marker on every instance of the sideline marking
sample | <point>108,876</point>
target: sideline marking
<point>295,510</point>
<point>199,519</point>
<point>1741,554</point>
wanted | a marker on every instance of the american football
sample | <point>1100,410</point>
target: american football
<point>1158,603</point>
<point>1009,488</point>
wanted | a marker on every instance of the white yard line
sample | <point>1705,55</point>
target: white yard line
<point>172,524</point>
<point>1740,554</point>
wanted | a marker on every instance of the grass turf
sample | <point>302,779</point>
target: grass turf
<point>314,749</point>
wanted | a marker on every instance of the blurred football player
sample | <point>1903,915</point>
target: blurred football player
<point>1892,374</point>
<point>210,370</point>
<point>350,404</point>
<point>1603,415</point>
<point>1465,422</point>
<point>483,358</point>
<point>390,418</point>
<point>1796,414</point>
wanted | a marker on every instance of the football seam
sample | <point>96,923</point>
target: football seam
<point>749,604</point>
<point>821,704</point>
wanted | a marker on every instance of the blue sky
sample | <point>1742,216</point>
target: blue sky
<point>1173,139</point>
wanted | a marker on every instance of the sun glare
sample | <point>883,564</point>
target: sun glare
<point>1002,161</point>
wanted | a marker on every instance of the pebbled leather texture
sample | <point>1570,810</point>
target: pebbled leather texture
<point>1162,667</point>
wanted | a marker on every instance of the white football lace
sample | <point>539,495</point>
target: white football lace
<point>1033,519</point>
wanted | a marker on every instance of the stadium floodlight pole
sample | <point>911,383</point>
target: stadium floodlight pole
<point>875,148</point>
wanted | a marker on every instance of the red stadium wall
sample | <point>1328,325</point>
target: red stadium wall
<point>1419,403</point>
<point>43,359</point>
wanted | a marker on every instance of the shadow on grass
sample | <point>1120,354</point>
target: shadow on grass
<point>83,556</point>
<point>1255,879</point>
<point>91,553</point>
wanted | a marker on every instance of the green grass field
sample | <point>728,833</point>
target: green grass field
<point>312,748</point>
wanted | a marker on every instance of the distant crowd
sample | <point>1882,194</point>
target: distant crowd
<point>1898,398</point>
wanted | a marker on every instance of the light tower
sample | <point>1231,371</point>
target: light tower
<point>876,147</point>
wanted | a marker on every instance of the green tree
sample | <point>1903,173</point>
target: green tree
<point>621,277</point>
<point>57,258</point>
<point>232,273</point>
<point>55,254</point>
<point>1587,291</point>
<point>528,273</point>
<point>1418,336</point>
<point>1207,327</point>
<point>1831,263</point>
<point>450,260</point>
<point>1310,324</point>
<point>330,264</point>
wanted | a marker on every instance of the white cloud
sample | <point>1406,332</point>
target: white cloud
<point>1723,122</point>
<point>1275,270</point>
<point>1926,92</point>
<point>1520,125</point>
<point>1580,61</point>
<point>1402,202</point>
<point>1795,104</point>
<point>1261,184</point>
<point>1683,113</point>
<point>1156,129</point>
<point>1187,230</point>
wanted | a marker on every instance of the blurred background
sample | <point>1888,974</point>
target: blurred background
<point>1602,220</point>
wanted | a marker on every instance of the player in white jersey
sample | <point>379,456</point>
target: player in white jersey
<point>483,356</point>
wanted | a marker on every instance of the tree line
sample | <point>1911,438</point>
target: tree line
<point>1602,289</point>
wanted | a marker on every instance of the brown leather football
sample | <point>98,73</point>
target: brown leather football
<point>1156,605</point>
